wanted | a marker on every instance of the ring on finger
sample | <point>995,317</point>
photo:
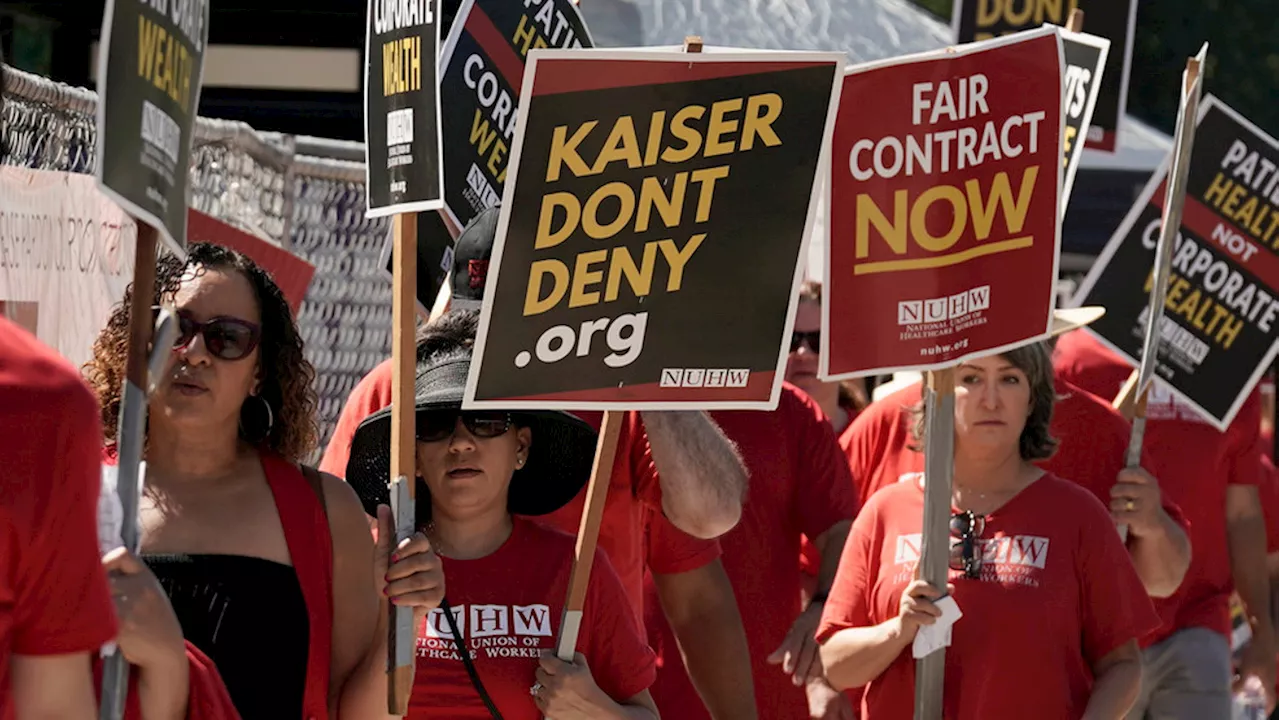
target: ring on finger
<point>1128,506</point>
<point>537,687</point>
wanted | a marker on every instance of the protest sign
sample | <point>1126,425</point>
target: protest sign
<point>649,245</point>
<point>1111,19</point>
<point>944,206</point>
<point>1218,333</point>
<point>150,65</point>
<point>483,63</point>
<point>66,256</point>
<point>291,273</point>
<point>402,107</point>
<point>1085,56</point>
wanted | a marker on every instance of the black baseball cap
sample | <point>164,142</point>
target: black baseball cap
<point>471,255</point>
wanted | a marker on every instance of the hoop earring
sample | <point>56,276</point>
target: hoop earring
<point>271,420</point>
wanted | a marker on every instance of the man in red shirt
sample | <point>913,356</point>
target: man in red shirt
<point>55,604</point>
<point>800,486</point>
<point>675,477</point>
<point>1214,477</point>
<point>1093,439</point>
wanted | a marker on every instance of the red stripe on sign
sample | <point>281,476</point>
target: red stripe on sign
<point>1106,144</point>
<point>759,384</point>
<point>1227,238</point>
<point>578,74</point>
<point>501,54</point>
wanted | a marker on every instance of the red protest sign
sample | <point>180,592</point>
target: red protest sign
<point>946,172</point>
<point>290,272</point>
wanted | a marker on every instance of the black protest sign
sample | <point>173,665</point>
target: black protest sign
<point>435,257</point>
<point>1218,332</point>
<point>483,62</point>
<point>649,246</point>
<point>402,107</point>
<point>150,65</point>
<point>1111,19</point>
<point>1084,57</point>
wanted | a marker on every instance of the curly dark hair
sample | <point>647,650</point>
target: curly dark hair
<point>285,374</point>
<point>1035,443</point>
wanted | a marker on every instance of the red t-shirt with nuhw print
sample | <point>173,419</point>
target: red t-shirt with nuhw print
<point>1057,593</point>
<point>509,607</point>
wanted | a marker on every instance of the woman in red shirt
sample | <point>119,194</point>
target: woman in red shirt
<point>1052,607</point>
<point>480,474</point>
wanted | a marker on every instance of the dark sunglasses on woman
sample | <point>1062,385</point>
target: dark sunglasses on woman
<point>966,528</point>
<point>437,425</point>
<point>810,339</point>
<point>226,338</point>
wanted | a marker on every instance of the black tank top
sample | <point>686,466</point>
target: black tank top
<point>248,615</point>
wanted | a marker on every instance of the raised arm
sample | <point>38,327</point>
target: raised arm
<point>703,478</point>
<point>1158,546</point>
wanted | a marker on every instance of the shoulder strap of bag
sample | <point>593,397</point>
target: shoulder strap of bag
<point>466,660</point>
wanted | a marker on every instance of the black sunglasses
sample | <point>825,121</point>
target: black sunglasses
<point>226,338</point>
<point>967,527</point>
<point>811,339</point>
<point>437,425</point>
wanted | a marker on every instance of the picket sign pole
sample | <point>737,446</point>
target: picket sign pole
<point>1133,396</point>
<point>1075,21</point>
<point>401,634</point>
<point>129,441</point>
<point>935,550</point>
<point>584,550</point>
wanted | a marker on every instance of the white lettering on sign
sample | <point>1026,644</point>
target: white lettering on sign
<point>400,127</point>
<point>624,336</point>
<point>160,130</point>
<point>950,307</point>
<point>391,15</point>
<point>704,377</point>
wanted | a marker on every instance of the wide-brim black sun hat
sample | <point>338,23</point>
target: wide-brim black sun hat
<point>558,466</point>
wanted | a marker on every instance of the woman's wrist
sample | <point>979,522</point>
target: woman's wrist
<point>163,689</point>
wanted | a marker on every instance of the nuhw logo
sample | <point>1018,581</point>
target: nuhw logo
<point>947,307</point>
<point>1009,550</point>
<point>480,621</point>
<point>704,377</point>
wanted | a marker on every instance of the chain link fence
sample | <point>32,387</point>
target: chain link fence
<point>303,194</point>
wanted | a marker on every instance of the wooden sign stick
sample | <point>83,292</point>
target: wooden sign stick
<point>1175,196</point>
<point>1075,21</point>
<point>935,549</point>
<point>401,634</point>
<point>130,438</point>
<point>584,551</point>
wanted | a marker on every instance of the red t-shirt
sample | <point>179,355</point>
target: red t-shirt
<point>634,490</point>
<point>54,597</point>
<point>800,485</point>
<point>370,395</point>
<point>1195,463</point>
<point>508,606</point>
<point>1092,441</point>
<point>1269,496</point>
<point>633,485</point>
<point>1057,593</point>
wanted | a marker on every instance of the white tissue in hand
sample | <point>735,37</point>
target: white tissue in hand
<point>931,638</point>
